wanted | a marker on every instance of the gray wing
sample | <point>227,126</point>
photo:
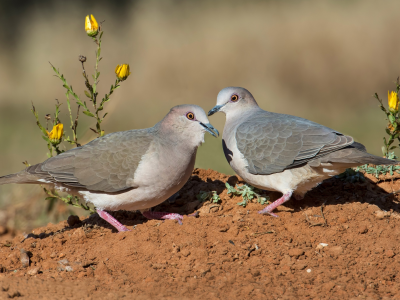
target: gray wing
<point>105,164</point>
<point>273,142</point>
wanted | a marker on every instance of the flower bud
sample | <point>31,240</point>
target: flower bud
<point>56,134</point>
<point>122,71</point>
<point>91,26</point>
<point>393,101</point>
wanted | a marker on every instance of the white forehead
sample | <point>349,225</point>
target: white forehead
<point>197,110</point>
<point>225,94</point>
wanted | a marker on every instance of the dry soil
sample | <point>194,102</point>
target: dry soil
<point>340,242</point>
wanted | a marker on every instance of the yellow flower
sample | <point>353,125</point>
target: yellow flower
<point>393,101</point>
<point>122,71</point>
<point>91,26</point>
<point>56,134</point>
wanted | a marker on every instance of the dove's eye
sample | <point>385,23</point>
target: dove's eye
<point>190,115</point>
<point>234,98</point>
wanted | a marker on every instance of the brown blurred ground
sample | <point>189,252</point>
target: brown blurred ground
<point>321,60</point>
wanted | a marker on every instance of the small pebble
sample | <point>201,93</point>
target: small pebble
<point>390,253</point>
<point>308,270</point>
<point>24,258</point>
<point>321,245</point>
<point>73,220</point>
<point>68,269</point>
<point>63,261</point>
<point>60,268</point>
<point>33,271</point>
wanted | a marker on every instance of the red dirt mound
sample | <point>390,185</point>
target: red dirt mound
<point>340,242</point>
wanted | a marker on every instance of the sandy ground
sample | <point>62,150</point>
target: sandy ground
<point>228,251</point>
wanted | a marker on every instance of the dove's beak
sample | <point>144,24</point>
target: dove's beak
<point>209,128</point>
<point>215,109</point>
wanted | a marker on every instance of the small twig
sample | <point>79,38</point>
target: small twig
<point>250,250</point>
<point>212,206</point>
<point>324,224</point>
<point>262,233</point>
<point>322,213</point>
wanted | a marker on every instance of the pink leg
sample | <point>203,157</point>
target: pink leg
<point>275,204</point>
<point>156,215</point>
<point>110,219</point>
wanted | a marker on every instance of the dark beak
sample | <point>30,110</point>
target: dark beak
<point>210,129</point>
<point>215,109</point>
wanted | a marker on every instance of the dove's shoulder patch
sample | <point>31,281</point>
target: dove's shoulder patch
<point>272,142</point>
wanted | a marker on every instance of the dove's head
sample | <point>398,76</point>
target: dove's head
<point>232,100</point>
<point>188,122</point>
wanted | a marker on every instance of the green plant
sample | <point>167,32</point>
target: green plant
<point>55,138</point>
<point>247,192</point>
<point>212,196</point>
<point>378,170</point>
<point>392,115</point>
<point>352,175</point>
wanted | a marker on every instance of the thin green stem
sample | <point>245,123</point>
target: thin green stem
<point>69,88</point>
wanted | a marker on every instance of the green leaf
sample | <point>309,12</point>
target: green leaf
<point>46,139</point>
<point>231,189</point>
<point>88,95</point>
<point>392,119</point>
<point>88,113</point>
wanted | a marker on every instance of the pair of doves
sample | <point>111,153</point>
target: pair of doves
<point>139,169</point>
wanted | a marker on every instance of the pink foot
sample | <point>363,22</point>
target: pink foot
<point>111,220</point>
<point>275,204</point>
<point>156,215</point>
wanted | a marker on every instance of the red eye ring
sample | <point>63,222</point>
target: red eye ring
<point>190,116</point>
<point>234,98</point>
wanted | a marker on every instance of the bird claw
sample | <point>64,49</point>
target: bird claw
<point>163,216</point>
<point>265,211</point>
<point>177,217</point>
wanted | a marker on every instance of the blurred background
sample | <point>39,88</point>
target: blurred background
<point>321,60</point>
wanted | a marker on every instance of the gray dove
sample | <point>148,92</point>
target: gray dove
<point>128,170</point>
<point>283,153</point>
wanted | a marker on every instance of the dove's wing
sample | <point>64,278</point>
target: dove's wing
<point>105,164</point>
<point>273,142</point>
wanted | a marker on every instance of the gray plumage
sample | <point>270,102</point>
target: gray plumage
<point>132,170</point>
<point>273,142</point>
<point>282,152</point>
<point>103,165</point>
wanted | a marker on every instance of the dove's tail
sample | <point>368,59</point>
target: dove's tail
<point>355,155</point>
<point>24,177</point>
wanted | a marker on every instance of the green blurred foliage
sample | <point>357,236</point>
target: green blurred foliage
<point>321,60</point>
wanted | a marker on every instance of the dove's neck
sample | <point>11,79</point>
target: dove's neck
<point>239,116</point>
